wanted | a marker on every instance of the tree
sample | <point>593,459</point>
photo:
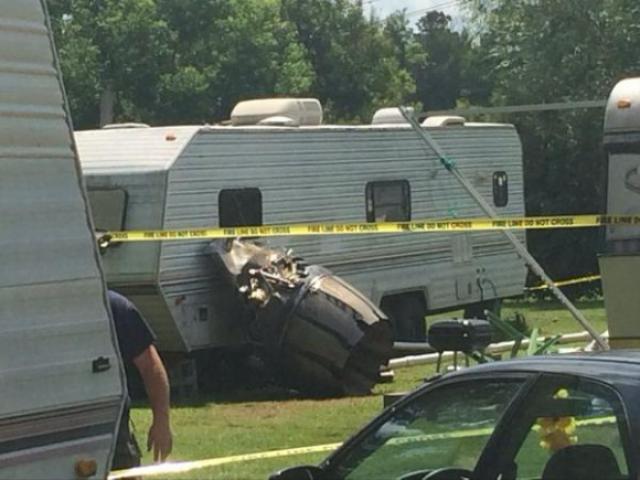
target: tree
<point>112,53</point>
<point>444,65</point>
<point>356,70</point>
<point>226,51</point>
<point>439,77</point>
<point>176,61</point>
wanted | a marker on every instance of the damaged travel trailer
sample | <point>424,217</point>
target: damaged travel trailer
<point>60,378</point>
<point>277,164</point>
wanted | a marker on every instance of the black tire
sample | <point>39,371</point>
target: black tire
<point>407,314</point>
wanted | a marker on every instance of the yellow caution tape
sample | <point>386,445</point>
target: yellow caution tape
<point>182,467</point>
<point>480,432</point>
<point>456,225</point>
<point>564,283</point>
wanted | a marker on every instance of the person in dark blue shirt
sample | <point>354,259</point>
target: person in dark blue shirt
<point>135,341</point>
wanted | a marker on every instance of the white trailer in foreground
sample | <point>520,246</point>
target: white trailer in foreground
<point>254,172</point>
<point>61,385</point>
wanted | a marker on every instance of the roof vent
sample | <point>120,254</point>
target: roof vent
<point>387,116</point>
<point>298,111</point>
<point>444,121</point>
<point>279,121</point>
<point>116,126</point>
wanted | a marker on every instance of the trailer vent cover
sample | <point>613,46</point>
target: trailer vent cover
<point>124,126</point>
<point>390,116</point>
<point>279,121</point>
<point>444,121</point>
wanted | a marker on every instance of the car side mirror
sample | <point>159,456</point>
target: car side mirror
<point>305,472</point>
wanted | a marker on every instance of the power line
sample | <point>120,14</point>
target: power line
<point>437,6</point>
<point>544,107</point>
<point>442,5</point>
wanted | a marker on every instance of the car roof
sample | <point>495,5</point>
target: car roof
<point>612,366</point>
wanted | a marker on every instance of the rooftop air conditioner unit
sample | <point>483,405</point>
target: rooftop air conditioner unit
<point>300,111</point>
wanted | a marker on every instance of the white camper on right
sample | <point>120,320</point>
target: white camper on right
<point>620,265</point>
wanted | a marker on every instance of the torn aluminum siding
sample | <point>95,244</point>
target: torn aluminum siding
<point>56,405</point>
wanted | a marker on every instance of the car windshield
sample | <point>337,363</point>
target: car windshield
<point>445,427</point>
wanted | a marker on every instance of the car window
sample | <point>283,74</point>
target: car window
<point>580,426</point>
<point>445,427</point>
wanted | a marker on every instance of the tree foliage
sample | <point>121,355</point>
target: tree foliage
<point>181,61</point>
<point>226,51</point>
<point>439,76</point>
<point>175,61</point>
<point>356,70</point>
<point>110,46</point>
<point>192,60</point>
<point>559,50</point>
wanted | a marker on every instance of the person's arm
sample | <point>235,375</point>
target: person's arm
<point>156,384</point>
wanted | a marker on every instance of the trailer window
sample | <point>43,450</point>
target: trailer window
<point>500,189</point>
<point>108,208</point>
<point>388,201</point>
<point>240,207</point>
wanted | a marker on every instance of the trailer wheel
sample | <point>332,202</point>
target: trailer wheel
<point>407,314</point>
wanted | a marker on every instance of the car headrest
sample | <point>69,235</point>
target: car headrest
<point>582,462</point>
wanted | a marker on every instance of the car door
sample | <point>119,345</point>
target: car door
<point>444,427</point>
<point>567,427</point>
<point>61,384</point>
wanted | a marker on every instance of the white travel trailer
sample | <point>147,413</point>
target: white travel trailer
<point>620,265</point>
<point>61,385</point>
<point>276,164</point>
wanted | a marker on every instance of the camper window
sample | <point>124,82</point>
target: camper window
<point>500,189</point>
<point>240,207</point>
<point>388,201</point>
<point>108,207</point>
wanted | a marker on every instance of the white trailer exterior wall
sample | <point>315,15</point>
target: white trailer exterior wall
<point>619,264</point>
<point>307,174</point>
<point>59,403</point>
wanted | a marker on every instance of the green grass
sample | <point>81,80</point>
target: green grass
<point>551,318</point>
<point>262,420</point>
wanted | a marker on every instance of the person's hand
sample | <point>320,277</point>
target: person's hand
<point>160,440</point>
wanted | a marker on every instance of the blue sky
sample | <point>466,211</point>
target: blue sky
<point>416,8</point>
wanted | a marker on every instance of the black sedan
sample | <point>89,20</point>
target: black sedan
<point>551,418</point>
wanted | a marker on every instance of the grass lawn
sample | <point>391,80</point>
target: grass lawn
<point>262,420</point>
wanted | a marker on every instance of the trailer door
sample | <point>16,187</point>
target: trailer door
<point>61,384</point>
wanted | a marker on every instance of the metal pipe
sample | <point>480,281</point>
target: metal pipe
<point>502,347</point>
<point>423,347</point>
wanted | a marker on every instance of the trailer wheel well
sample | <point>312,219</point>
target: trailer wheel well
<point>407,313</point>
